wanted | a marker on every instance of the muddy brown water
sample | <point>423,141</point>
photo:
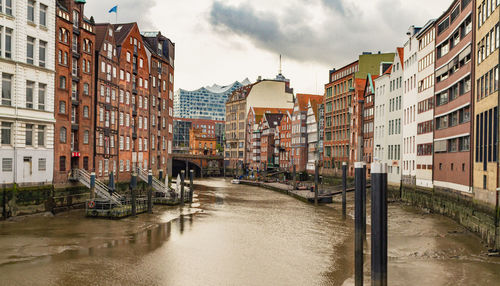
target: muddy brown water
<point>236,235</point>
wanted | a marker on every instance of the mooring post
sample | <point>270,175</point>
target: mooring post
<point>191,190</point>
<point>378,225</point>
<point>358,224</point>
<point>150,192</point>
<point>133,186</point>
<point>92,185</point>
<point>182,187</point>
<point>316,182</point>
<point>344,189</point>
<point>364,200</point>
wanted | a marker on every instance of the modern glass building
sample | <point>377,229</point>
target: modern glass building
<point>204,103</point>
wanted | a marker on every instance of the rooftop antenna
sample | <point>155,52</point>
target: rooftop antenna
<point>280,64</point>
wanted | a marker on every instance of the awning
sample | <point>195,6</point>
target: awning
<point>465,53</point>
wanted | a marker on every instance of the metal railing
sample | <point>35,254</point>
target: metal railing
<point>157,184</point>
<point>101,189</point>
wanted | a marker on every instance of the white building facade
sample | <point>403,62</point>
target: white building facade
<point>380,118</point>
<point>410,89</point>
<point>393,113</point>
<point>27,33</point>
<point>425,105</point>
<point>312,136</point>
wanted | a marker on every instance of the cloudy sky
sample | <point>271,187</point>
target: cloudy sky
<point>223,41</point>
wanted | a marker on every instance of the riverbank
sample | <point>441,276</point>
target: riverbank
<point>475,216</point>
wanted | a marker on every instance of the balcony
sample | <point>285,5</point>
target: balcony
<point>134,135</point>
<point>134,90</point>
<point>74,126</point>
<point>134,110</point>
<point>75,102</point>
<point>134,70</point>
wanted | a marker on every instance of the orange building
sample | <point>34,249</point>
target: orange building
<point>202,143</point>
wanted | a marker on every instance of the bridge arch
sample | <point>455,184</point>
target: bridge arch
<point>180,164</point>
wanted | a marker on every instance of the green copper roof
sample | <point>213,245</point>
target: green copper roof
<point>80,1</point>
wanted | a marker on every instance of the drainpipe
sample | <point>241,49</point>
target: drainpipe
<point>497,207</point>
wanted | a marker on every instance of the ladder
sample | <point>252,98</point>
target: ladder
<point>101,189</point>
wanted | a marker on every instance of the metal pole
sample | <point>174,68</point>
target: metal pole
<point>316,183</point>
<point>364,200</point>
<point>133,185</point>
<point>378,226</point>
<point>294,178</point>
<point>191,190</point>
<point>182,187</point>
<point>150,192</point>
<point>384,224</point>
<point>344,189</point>
<point>358,224</point>
<point>4,203</point>
<point>92,185</point>
<point>497,221</point>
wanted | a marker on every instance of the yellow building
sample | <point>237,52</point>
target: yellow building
<point>485,176</point>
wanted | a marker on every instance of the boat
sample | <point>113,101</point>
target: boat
<point>235,181</point>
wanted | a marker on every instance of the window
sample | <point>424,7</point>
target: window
<point>8,7</point>
<point>76,18</point>
<point>6,133</point>
<point>62,107</point>
<point>6,164</point>
<point>62,135</point>
<point>30,86</point>
<point>86,163</point>
<point>30,50</point>
<point>86,89</point>
<point>43,15</point>
<point>31,11</point>
<point>42,48</point>
<point>41,136</point>
<point>62,163</point>
<point>62,82</point>
<point>8,43</point>
<point>86,137</point>
<point>42,89</point>
<point>6,89</point>
<point>29,135</point>
<point>86,111</point>
<point>74,70</point>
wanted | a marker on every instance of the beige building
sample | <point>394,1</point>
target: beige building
<point>274,93</point>
<point>485,174</point>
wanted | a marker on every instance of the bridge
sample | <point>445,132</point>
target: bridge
<point>203,165</point>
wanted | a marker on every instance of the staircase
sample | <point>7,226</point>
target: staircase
<point>101,190</point>
<point>157,184</point>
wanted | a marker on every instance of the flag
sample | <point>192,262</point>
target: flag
<point>114,9</point>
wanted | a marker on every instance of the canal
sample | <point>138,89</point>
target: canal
<point>235,235</point>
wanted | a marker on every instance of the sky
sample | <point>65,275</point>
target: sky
<point>223,41</point>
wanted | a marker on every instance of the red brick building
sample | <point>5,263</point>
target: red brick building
<point>161,55</point>
<point>455,46</point>
<point>338,100</point>
<point>269,154</point>
<point>284,133</point>
<point>368,121</point>
<point>299,130</point>
<point>134,81</point>
<point>108,120</point>
<point>74,93</point>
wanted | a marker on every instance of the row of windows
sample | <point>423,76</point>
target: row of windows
<point>487,84</point>
<point>426,83</point>
<point>7,164</point>
<point>461,32</point>
<point>486,136</point>
<point>395,104</point>
<point>394,152</point>
<point>454,118</point>
<point>460,144</point>
<point>427,39</point>
<point>395,126</point>
<point>426,105</point>
<point>426,61</point>
<point>42,12</point>
<point>485,10</point>
<point>460,88</point>
<point>488,44</point>
<point>345,72</point>
<point>424,150</point>
<point>396,84</point>
<point>30,131</point>
<point>425,127</point>
<point>32,89</point>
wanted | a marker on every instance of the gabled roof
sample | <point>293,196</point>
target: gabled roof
<point>388,71</point>
<point>359,84</point>
<point>401,52</point>
<point>273,119</point>
<point>303,99</point>
<point>122,31</point>
<point>314,104</point>
<point>260,111</point>
<point>101,30</point>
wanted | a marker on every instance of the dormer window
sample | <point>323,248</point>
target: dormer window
<point>76,17</point>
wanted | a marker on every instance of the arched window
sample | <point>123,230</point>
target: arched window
<point>62,135</point>
<point>62,82</point>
